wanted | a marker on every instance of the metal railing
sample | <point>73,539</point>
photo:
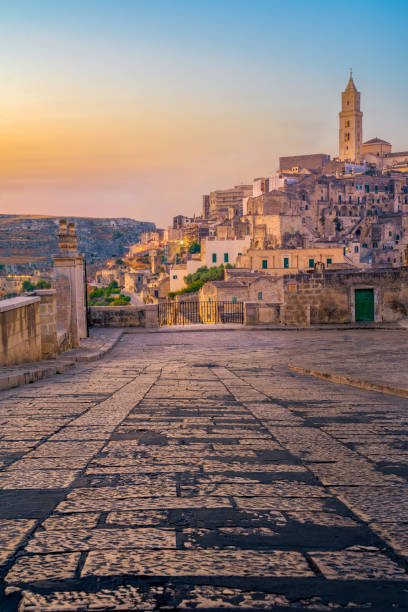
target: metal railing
<point>191,313</point>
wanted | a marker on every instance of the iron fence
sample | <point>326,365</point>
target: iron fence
<point>189,313</point>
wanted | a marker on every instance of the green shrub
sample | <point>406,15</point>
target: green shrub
<point>121,300</point>
<point>27,286</point>
<point>43,284</point>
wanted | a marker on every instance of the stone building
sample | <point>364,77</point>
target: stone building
<point>243,289</point>
<point>219,202</point>
<point>313,161</point>
<point>216,252</point>
<point>284,261</point>
<point>376,147</point>
<point>346,296</point>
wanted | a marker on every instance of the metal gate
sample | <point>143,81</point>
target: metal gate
<point>189,313</point>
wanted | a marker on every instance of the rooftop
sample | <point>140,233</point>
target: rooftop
<point>377,140</point>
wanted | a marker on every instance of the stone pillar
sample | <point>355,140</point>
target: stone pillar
<point>251,314</point>
<point>69,265</point>
<point>307,315</point>
<point>154,262</point>
<point>48,322</point>
<point>282,314</point>
<point>151,315</point>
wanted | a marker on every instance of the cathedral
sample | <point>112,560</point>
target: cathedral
<point>351,147</point>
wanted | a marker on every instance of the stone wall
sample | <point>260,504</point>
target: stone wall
<point>124,316</point>
<point>20,340</point>
<point>314,298</point>
<point>258,313</point>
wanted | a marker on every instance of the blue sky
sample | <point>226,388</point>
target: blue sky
<point>137,108</point>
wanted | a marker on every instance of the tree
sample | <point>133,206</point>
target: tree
<point>194,248</point>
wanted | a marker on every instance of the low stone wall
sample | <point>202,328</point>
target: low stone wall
<point>124,316</point>
<point>329,297</point>
<point>259,313</point>
<point>20,327</point>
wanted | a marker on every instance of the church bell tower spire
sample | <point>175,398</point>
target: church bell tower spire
<point>351,124</point>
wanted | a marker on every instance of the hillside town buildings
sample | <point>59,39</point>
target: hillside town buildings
<point>314,212</point>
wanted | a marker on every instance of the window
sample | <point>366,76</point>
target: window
<point>376,188</point>
<point>328,260</point>
<point>307,207</point>
<point>311,263</point>
<point>264,264</point>
<point>286,262</point>
<point>367,188</point>
<point>225,257</point>
<point>156,293</point>
<point>214,257</point>
<point>303,197</point>
<point>174,276</point>
<point>259,295</point>
<point>356,249</point>
<point>364,245</point>
<point>375,245</point>
<point>390,233</point>
<point>234,300</point>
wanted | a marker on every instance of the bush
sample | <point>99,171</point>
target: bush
<point>104,296</point>
<point>202,275</point>
<point>205,274</point>
<point>27,286</point>
<point>121,300</point>
<point>43,284</point>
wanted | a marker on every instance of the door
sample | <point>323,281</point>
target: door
<point>364,300</point>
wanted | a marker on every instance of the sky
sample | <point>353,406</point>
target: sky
<point>135,108</point>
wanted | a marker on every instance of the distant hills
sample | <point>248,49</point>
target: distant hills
<point>33,238</point>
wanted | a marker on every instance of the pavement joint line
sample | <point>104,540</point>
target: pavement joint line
<point>351,382</point>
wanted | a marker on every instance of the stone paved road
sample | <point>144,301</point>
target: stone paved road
<point>195,471</point>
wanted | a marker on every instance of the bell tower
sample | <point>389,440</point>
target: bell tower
<point>351,124</point>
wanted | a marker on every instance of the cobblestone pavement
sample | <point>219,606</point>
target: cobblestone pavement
<point>195,471</point>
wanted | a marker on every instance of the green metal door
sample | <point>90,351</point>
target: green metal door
<point>364,299</point>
